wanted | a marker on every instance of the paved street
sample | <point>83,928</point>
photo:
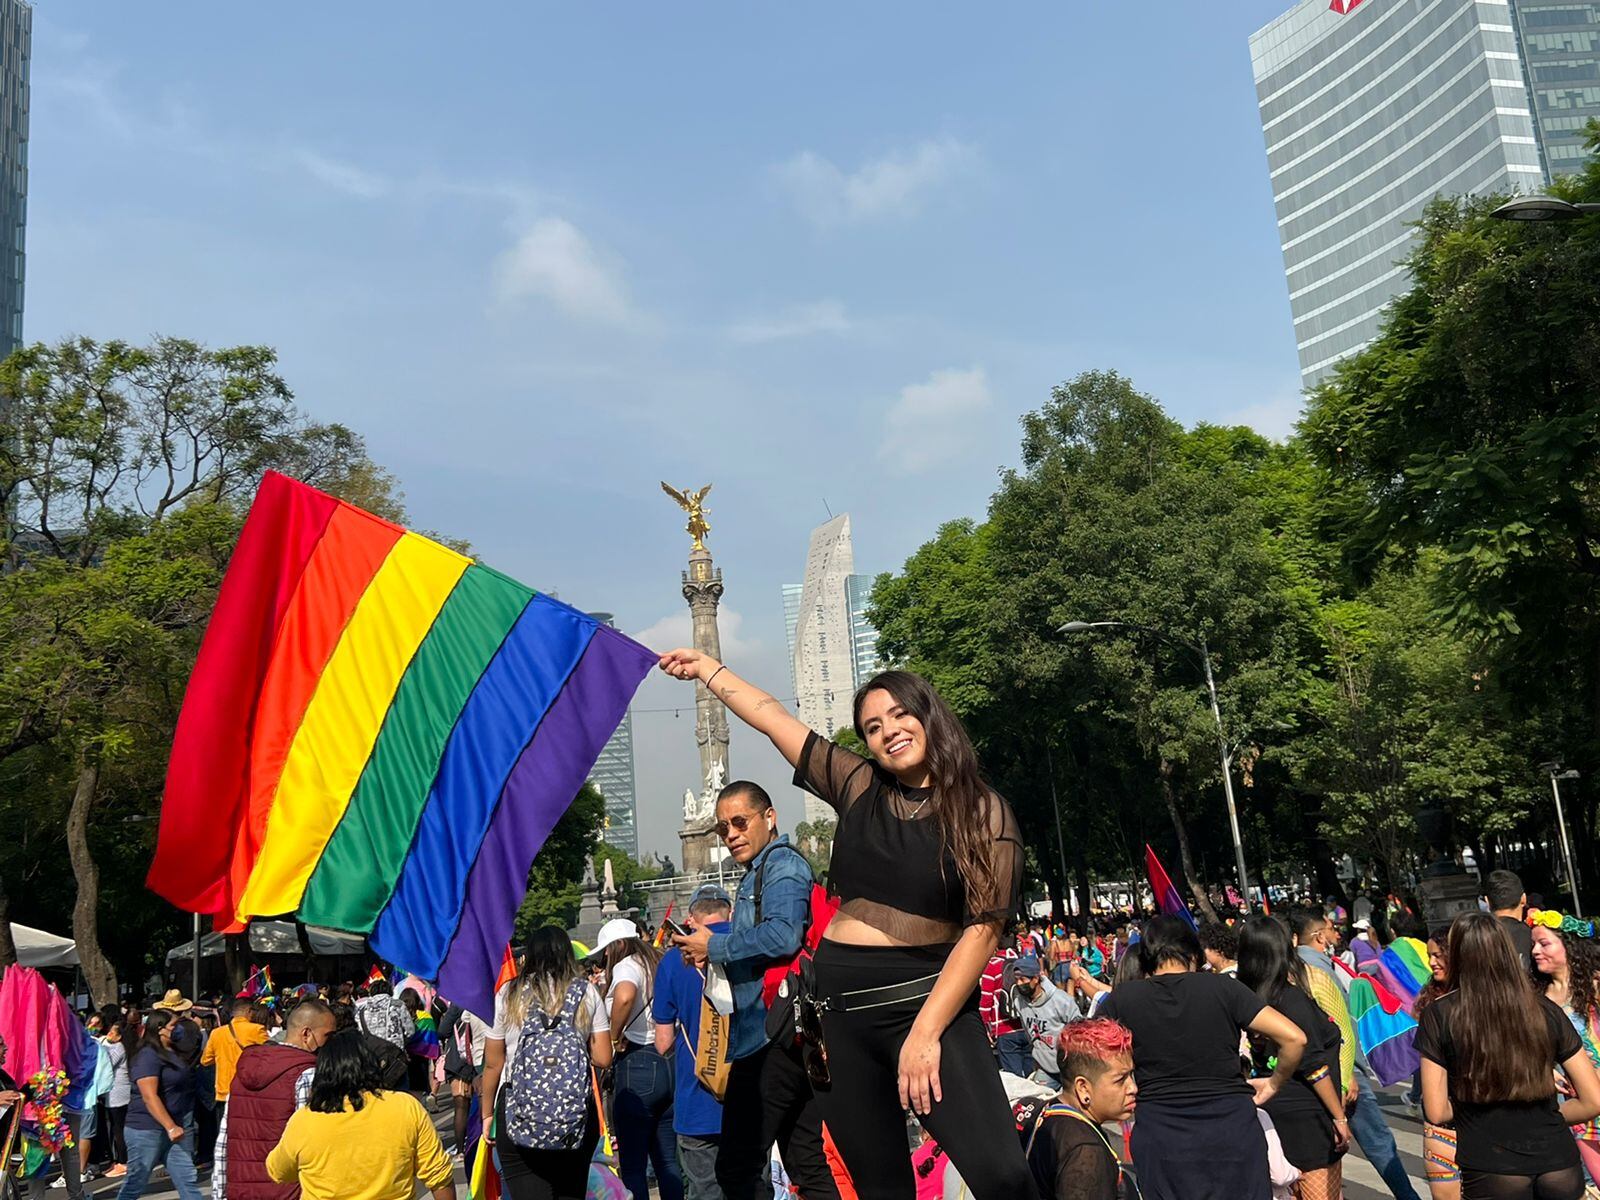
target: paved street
<point>1361,1182</point>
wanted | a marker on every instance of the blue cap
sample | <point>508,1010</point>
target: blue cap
<point>710,891</point>
<point>1028,965</point>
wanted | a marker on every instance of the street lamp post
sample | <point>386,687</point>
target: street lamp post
<point>1203,652</point>
<point>1543,208</point>
<point>1556,776</point>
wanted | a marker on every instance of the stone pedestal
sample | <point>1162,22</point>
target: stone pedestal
<point>699,840</point>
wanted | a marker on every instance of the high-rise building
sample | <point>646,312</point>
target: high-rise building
<point>16,47</point>
<point>1560,45</point>
<point>1371,108</point>
<point>832,647</point>
<point>613,776</point>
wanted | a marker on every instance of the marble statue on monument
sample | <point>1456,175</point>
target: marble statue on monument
<point>702,589</point>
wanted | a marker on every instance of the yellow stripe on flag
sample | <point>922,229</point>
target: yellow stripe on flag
<point>345,714</point>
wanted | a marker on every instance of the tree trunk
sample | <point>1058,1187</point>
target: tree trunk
<point>8,947</point>
<point>1185,855</point>
<point>233,960</point>
<point>98,972</point>
<point>308,956</point>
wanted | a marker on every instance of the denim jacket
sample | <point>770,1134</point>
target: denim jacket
<point>748,949</point>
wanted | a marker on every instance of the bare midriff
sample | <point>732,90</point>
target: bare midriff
<point>849,929</point>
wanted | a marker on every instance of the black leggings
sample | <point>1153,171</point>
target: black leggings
<point>545,1174</point>
<point>1566,1184</point>
<point>973,1123</point>
<point>116,1120</point>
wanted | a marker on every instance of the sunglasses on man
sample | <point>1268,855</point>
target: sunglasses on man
<point>739,821</point>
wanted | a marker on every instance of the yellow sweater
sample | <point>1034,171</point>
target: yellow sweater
<point>224,1047</point>
<point>374,1154</point>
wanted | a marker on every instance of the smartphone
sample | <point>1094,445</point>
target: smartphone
<point>674,928</point>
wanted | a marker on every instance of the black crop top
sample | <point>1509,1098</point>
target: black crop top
<point>889,870</point>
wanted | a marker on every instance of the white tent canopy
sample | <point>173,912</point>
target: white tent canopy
<point>36,948</point>
<point>277,937</point>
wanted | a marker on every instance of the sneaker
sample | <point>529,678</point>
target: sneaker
<point>60,1181</point>
<point>117,1171</point>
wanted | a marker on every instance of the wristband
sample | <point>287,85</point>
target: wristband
<point>714,674</point>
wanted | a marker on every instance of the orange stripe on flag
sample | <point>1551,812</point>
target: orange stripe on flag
<point>353,548</point>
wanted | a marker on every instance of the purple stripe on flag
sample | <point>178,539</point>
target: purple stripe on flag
<point>1395,1059</point>
<point>538,791</point>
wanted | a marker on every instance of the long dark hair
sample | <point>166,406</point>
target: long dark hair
<point>1502,1043</point>
<point>626,948</point>
<point>157,1020</point>
<point>1267,961</point>
<point>963,805</point>
<point>347,1070</point>
<point>548,969</point>
<point>1583,963</point>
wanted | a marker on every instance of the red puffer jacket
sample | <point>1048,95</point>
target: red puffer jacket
<point>259,1106</point>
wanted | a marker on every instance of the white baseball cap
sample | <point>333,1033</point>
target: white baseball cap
<point>618,929</point>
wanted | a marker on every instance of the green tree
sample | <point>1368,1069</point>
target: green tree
<point>124,473</point>
<point>1469,432</point>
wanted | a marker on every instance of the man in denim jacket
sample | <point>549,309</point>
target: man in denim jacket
<point>769,1098</point>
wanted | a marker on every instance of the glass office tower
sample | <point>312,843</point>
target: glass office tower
<point>1371,108</point>
<point>16,40</point>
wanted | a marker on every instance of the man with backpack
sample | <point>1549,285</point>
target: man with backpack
<point>769,1097</point>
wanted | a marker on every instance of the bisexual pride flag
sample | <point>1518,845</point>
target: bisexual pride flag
<point>378,736</point>
<point>1167,898</point>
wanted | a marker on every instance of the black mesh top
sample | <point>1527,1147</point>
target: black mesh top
<point>889,869</point>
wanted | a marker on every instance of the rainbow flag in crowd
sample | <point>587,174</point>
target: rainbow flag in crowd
<point>1384,1024</point>
<point>1167,898</point>
<point>1403,967</point>
<point>379,735</point>
<point>257,984</point>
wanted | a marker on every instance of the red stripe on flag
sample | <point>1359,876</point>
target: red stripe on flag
<point>209,767</point>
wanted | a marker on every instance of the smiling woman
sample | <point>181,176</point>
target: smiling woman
<point>927,865</point>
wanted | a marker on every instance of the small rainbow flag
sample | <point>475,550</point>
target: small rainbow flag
<point>379,735</point>
<point>1167,898</point>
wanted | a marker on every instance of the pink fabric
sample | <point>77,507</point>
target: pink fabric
<point>42,1033</point>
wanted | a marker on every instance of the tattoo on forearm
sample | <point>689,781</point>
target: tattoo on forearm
<point>727,693</point>
<point>760,704</point>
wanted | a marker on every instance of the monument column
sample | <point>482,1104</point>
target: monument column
<point>702,588</point>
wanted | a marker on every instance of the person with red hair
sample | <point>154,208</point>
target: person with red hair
<point>1070,1155</point>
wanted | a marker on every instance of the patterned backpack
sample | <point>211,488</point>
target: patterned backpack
<point>547,1097</point>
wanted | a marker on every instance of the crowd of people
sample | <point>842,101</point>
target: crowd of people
<point>891,1035</point>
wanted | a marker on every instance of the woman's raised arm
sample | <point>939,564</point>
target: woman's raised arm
<point>749,703</point>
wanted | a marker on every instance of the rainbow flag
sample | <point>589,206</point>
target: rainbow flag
<point>1384,1025</point>
<point>1167,898</point>
<point>1403,968</point>
<point>379,735</point>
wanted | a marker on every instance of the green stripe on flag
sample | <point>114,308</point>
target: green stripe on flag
<point>357,872</point>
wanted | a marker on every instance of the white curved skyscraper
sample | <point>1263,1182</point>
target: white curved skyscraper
<point>832,648</point>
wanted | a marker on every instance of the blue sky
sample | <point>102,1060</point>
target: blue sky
<point>544,256</point>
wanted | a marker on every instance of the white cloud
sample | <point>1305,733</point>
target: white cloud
<point>341,176</point>
<point>554,261</point>
<point>1272,418</point>
<point>802,320</point>
<point>933,421</point>
<point>677,629</point>
<point>893,185</point>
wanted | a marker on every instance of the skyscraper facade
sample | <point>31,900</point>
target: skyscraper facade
<point>16,47</point>
<point>1559,41</point>
<point>1370,108</point>
<point>614,778</point>
<point>832,646</point>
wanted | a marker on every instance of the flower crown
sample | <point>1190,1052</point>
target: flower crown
<point>1560,922</point>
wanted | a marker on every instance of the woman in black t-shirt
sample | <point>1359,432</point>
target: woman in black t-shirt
<point>1309,1112</point>
<point>1489,1050</point>
<point>927,866</point>
<point>1196,1135</point>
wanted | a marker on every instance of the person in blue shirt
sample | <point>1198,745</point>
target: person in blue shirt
<point>769,1097</point>
<point>676,1009</point>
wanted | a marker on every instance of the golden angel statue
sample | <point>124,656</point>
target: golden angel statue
<point>692,503</point>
